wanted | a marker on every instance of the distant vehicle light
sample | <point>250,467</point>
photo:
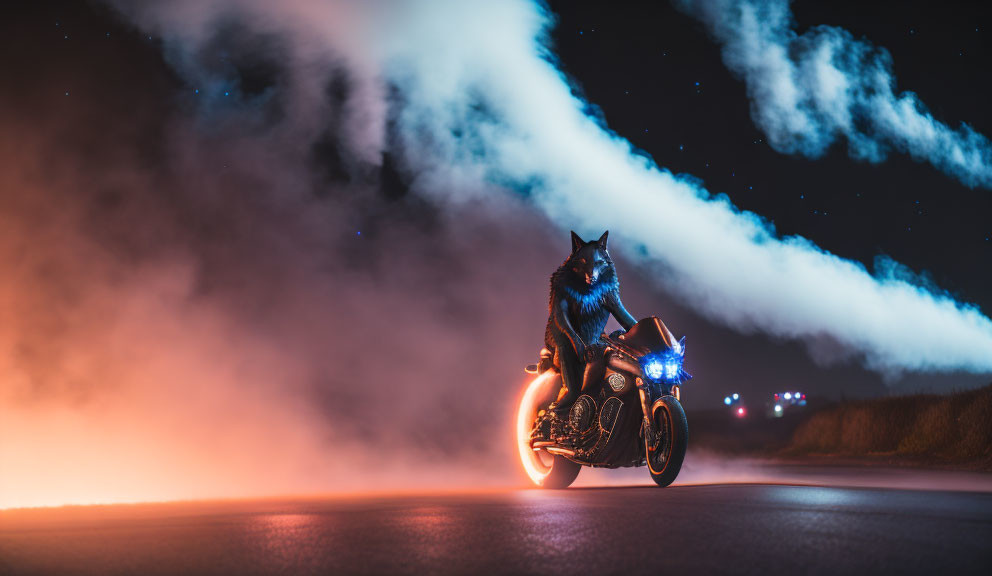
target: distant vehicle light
<point>740,411</point>
<point>736,396</point>
<point>727,400</point>
<point>788,396</point>
<point>778,408</point>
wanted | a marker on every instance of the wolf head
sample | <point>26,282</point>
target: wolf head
<point>589,261</point>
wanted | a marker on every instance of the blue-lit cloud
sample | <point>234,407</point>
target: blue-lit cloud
<point>471,96</point>
<point>812,89</point>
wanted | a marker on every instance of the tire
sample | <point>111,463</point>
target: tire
<point>665,461</point>
<point>563,473</point>
<point>544,470</point>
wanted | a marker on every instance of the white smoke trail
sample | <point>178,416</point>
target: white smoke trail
<point>479,107</point>
<point>809,90</point>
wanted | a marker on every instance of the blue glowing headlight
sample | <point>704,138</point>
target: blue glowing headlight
<point>654,369</point>
<point>668,368</point>
<point>666,365</point>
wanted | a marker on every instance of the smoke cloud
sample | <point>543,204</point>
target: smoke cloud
<point>471,101</point>
<point>810,90</point>
<point>313,261</point>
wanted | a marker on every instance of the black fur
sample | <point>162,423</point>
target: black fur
<point>585,290</point>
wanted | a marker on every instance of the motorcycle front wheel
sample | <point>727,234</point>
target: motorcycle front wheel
<point>666,456</point>
<point>545,470</point>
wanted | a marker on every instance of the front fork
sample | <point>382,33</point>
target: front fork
<point>647,428</point>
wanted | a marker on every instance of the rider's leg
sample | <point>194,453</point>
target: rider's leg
<point>571,375</point>
<point>595,371</point>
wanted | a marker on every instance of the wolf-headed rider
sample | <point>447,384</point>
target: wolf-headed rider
<point>585,290</point>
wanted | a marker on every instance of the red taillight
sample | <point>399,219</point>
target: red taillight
<point>740,412</point>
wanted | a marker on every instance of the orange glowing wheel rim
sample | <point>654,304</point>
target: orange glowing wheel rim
<point>537,396</point>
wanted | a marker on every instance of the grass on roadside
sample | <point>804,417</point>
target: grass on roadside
<point>951,429</point>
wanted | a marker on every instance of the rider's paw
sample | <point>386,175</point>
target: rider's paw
<point>592,354</point>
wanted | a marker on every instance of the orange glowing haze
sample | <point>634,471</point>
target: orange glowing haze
<point>180,331</point>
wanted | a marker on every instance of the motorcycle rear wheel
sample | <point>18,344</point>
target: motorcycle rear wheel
<point>665,459</point>
<point>545,470</point>
<point>563,472</point>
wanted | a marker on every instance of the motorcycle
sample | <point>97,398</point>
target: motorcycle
<point>632,416</point>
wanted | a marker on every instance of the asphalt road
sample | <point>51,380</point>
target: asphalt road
<point>702,529</point>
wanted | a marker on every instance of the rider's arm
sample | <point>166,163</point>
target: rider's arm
<point>560,314</point>
<point>615,306</point>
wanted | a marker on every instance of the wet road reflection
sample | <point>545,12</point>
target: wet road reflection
<point>756,529</point>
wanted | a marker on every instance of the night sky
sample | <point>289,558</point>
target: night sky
<point>660,82</point>
<point>163,224</point>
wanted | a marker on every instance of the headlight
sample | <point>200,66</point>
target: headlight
<point>668,368</point>
<point>653,369</point>
<point>672,367</point>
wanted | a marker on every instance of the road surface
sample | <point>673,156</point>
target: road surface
<point>696,529</point>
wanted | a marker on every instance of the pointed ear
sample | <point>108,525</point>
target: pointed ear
<point>602,240</point>
<point>682,346</point>
<point>576,242</point>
